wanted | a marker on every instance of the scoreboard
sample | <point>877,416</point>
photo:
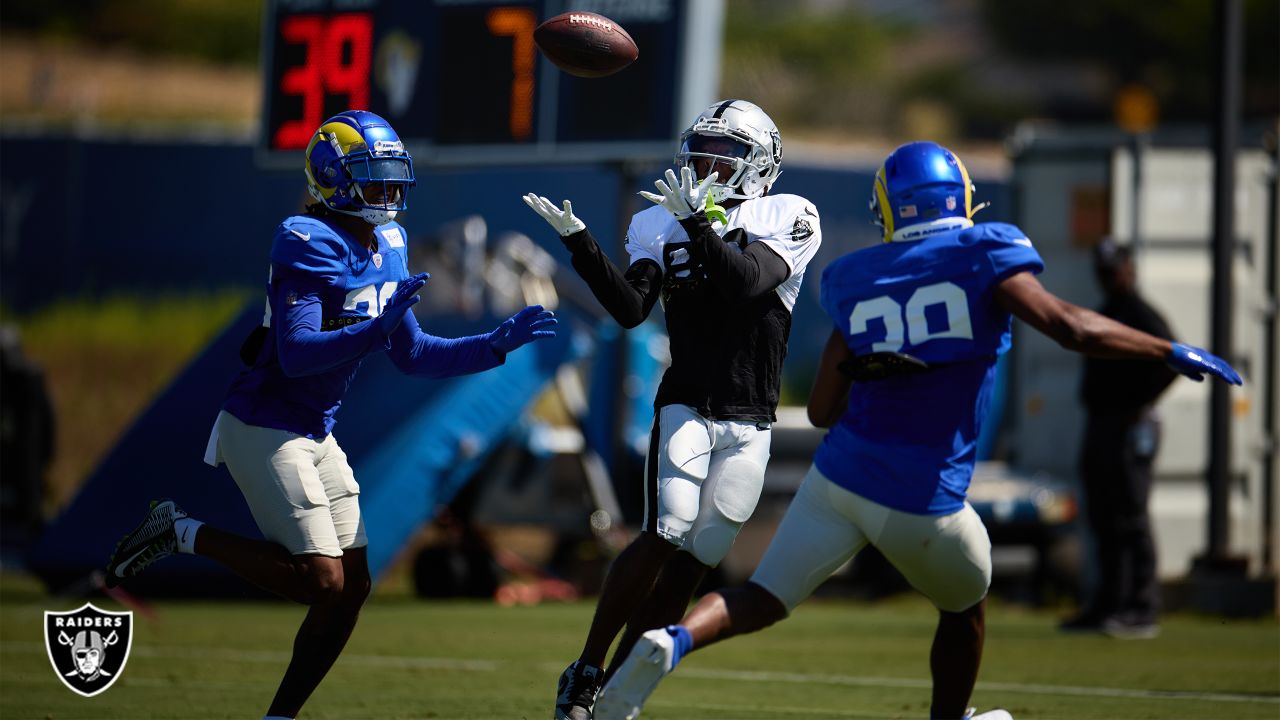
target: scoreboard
<point>462,82</point>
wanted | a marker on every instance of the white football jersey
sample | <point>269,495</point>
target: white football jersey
<point>726,351</point>
<point>788,224</point>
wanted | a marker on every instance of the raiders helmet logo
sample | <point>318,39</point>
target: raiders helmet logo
<point>88,647</point>
<point>802,229</point>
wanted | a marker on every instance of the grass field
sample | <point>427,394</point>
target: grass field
<point>833,659</point>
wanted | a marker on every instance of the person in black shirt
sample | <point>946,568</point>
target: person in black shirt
<point>726,259</point>
<point>1122,435</point>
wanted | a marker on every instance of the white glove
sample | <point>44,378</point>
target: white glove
<point>565,223</point>
<point>684,198</point>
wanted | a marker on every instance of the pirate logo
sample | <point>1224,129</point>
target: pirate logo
<point>88,647</point>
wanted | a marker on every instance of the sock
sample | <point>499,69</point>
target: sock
<point>186,529</point>
<point>684,642</point>
<point>274,717</point>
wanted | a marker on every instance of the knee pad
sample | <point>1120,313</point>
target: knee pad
<point>737,490</point>
<point>734,497</point>
<point>965,590</point>
<point>710,544</point>
<point>677,509</point>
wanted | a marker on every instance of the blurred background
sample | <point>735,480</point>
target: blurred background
<point>149,147</point>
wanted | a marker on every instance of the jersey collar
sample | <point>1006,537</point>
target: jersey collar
<point>935,227</point>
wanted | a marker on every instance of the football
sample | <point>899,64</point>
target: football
<point>585,44</point>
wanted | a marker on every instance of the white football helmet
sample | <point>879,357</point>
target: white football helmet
<point>737,139</point>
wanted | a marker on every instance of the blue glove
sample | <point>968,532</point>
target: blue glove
<point>405,297</point>
<point>522,328</point>
<point>1194,362</point>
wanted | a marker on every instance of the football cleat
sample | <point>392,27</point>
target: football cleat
<point>652,658</point>
<point>152,540</point>
<point>988,715</point>
<point>1130,626</point>
<point>576,693</point>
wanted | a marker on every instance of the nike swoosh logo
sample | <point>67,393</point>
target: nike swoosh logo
<point>122,565</point>
<point>306,237</point>
<point>184,534</point>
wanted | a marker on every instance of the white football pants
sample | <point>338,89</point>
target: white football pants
<point>703,479</point>
<point>945,557</point>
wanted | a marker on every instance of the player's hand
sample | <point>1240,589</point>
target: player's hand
<point>1194,362</point>
<point>405,297</point>
<point>682,197</point>
<point>564,221</point>
<point>531,323</point>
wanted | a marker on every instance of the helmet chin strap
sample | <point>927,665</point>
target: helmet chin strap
<point>748,177</point>
<point>371,215</point>
<point>375,216</point>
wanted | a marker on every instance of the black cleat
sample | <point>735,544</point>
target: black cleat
<point>576,693</point>
<point>152,540</point>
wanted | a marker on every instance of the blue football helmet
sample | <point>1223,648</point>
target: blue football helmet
<point>356,165</point>
<point>921,189</point>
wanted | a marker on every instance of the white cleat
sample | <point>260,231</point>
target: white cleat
<point>625,693</point>
<point>988,715</point>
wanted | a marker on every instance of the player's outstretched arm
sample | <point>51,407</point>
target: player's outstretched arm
<point>628,297</point>
<point>415,352</point>
<point>1085,331</point>
<point>304,349</point>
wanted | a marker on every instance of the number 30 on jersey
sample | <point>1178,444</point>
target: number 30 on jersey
<point>896,319</point>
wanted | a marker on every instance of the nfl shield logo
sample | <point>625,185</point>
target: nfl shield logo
<point>377,260</point>
<point>951,202</point>
<point>88,647</point>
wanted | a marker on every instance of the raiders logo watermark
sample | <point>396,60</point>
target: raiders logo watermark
<point>88,647</point>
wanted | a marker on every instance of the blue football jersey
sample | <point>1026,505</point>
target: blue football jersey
<point>909,441</point>
<point>315,265</point>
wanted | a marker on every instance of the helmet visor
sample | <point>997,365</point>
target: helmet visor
<point>715,145</point>
<point>383,194</point>
<point>715,153</point>
<point>381,181</point>
<point>366,169</point>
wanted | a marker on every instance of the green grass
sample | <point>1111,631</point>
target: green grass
<point>832,659</point>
